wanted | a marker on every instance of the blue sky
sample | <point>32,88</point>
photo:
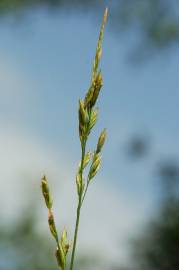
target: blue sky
<point>45,67</point>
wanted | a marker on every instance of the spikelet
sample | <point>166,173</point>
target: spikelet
<point>46,192</point>
<point>64,242</point>
<point>61,259</point>
<point>80,183</point>
<point>86,161</point>
<point>97,84</point>
<point>99,45</point>
<point>62,250</point>
<point>95,166</point>
<point>93,119</point>
<point>101,141</point>
<point>52,225</point>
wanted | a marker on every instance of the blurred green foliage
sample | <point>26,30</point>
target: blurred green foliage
<point>158,246</point>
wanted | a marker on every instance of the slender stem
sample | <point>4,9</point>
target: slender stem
<point>75,235</point>
<point>78,209</point>
<point>84,195</point>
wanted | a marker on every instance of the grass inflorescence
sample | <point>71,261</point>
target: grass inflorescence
<point>87,114</point>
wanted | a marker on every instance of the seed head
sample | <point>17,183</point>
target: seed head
<point>101,141</point>
<point>99,45</point>
<point>64,242</point>
<point>83,117</point>
<point>93,119</point>
<point>89,96</point>
<point>98,82</point>
<point>61,259</point>
<point>52,226</point>
<point>79,183</point>
<point>95,166</point>
<point>85,161</point>
<point>46,192</point>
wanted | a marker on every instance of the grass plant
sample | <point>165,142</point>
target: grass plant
<point>91,160</point>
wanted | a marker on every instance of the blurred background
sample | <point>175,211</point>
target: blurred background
<point>130,219</point>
